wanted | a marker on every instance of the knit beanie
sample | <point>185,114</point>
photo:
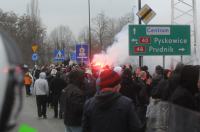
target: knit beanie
<point>109,79</point>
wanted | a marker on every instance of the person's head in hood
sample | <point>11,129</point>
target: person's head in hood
<point>127,75</point>
<point>58,74</point>
<point>109,81</point>
<point>159,70</point>
<point>42,75</point>
<point>76,77</point>
<point>189,78</point>
<point>179,68</point>
<point>144,68</point>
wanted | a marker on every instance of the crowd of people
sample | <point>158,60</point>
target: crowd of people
<point>112,99</point>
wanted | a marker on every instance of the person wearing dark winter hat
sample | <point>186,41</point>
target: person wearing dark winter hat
<point>129,87</point>
<point>188,87</point>
<point>57,85</point>
<point>158,75</point>
<point>108,110</point>
<point>145,68</point>
<point>72,101</point>
<point>173,81</point>
<point>197,95</point>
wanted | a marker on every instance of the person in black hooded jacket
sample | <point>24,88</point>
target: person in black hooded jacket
<point>73,99</point>
<point>57,85</point>
<point>129,87</point>
<point>173,82</point>
<point>184,93</point>
<point>109,111</point>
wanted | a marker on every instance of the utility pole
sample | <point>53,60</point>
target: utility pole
<point>185,12</point>
<point>140,22</point>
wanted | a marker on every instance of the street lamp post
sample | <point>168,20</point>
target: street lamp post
<point>90,45</point>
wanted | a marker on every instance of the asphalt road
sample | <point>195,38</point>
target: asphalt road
<point>29,116</point>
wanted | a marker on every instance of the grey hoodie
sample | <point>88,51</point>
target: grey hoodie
<point>41,85</point>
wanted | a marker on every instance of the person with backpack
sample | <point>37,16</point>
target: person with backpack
<point>108,110</point>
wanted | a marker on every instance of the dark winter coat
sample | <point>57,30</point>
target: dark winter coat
<point>129,88</point>
<point>160,89</point>
<point>73,99</point>
<point>197,99</point>
<point>143,94</point>
<point>110,112</point>
<point>36,74</point>
<point>90,87</point>
<point>184,95</point>
<point>57,85</point>
<point>184,98</point>
<point>173,82</point>
<point>156,79</point>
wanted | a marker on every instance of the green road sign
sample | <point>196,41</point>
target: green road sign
<point>159,40</point>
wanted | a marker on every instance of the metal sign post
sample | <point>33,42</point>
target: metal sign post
<point>145,14</point>
<point>163,62</point>
<point>140,22</point>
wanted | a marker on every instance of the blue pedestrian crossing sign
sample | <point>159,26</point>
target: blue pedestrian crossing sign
<point>34,57</point>
<point>59,55</point>
<point>82,52</point>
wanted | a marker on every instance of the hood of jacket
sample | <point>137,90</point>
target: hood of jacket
<point>105,100</point>
<point>42,75</point>
<point>189,78</point>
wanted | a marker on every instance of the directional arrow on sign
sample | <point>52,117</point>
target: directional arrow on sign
<point>35,57</point>
<point>134,40</point>
<point>182,49</point>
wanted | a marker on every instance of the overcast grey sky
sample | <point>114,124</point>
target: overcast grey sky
<point>74,13</point>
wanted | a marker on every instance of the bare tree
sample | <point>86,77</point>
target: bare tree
<point>36,32</point>
<point>124,20</point>
<point>35,25</point>
<point>99,28</point>
<point>111,31</point>
<point>116,25</point>
<point>84,37</point>
<point>62,38</point>
<point>8,21</point>
<point>24,29</point>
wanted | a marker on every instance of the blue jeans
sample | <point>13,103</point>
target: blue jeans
<point>73,129</point>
